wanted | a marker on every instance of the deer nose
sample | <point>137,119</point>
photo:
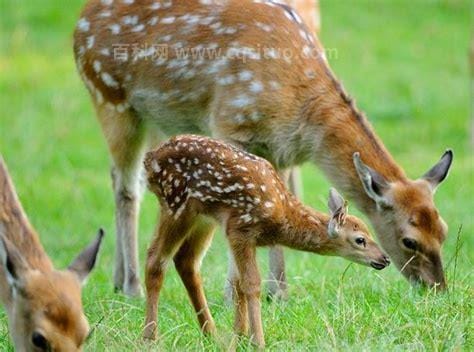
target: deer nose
<point>386,259</point>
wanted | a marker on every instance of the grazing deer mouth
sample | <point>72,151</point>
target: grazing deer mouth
<point>377,266</point>
<point>380,265</point>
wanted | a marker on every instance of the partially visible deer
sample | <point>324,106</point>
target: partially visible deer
<point>309,11</point>
<point>43,305</point>
<point>196,178</point>
<point>252,74</point>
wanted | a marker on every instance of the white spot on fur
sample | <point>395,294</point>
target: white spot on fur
<point>242,100</point>
<point>114,28</point>
<point>155,166</point>
<point>109,80</point>
<point>226,80</point>
<point>97,66</point>
<point>256,87</point>
<point>130,20</point>
<point>83,25</point>
<point>104,52</point>
<point>168,20</point>
<point>138,28</point>
<point>155,6</point>
<point>90,42</point>
<point>245,75</point>
<point>153,21</point>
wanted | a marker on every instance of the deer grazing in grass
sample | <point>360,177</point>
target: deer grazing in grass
<point>196,178</point>
<point>252,74</point>
<point>43,304</point>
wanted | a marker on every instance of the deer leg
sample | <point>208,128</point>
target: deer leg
<point>125,135</point>
<point>294,182</point>
<point>168,237</point>
<point>231,281</point>
<point>277,285</point>
<point>241,322</point>
<point>188,261</point>
<point>250,286</point>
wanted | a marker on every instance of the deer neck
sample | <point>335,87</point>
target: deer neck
<point>306,229</point>
<point>15,226</point>
<point>339,130</point>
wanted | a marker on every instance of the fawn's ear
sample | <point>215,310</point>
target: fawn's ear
<point>374,184</point>
<point>439,172</point>
<point>85,261</point>
<point>12,261</point>
<point>338,209</point>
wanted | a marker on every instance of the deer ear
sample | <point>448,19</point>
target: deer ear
<point>338,209</point>
<point>440,171</point>
<point>85,261</point>
<point>374,184</point>
<point>12,261</point>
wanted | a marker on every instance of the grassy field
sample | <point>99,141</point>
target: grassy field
<point>407,64</point>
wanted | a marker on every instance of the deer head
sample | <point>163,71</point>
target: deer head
<point>43,304</point>
<point>405,217</point>
<point>46,312</point>
<point>353,238</point>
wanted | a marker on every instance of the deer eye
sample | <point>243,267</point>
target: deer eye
<point>410,244</point>
<point>39,341</point>
<point>360,241</point>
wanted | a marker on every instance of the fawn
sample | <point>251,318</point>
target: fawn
<point>43,304</point>
<point>196,178</point>
<point>251,73</point>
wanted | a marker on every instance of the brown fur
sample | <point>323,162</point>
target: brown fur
<point>195,177</point>
<point>287,110</point>
<point>42,299</point>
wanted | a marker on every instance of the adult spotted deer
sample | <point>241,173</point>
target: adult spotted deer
<point>43,304</point>
<point>252,74</point>
<point>196,178</point>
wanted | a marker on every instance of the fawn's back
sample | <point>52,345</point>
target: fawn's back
<point>221,177</point>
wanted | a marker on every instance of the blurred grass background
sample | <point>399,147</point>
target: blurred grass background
<point>407,64</point>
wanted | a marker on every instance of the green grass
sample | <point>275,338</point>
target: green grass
<point>407,64</point>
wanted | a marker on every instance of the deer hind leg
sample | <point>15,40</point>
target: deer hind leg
<point>249,286</point>
<point>188,261</point>
<point>168,238</point>
<point>125,135</point>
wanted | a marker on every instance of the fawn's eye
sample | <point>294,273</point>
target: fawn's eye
<point>39,341</point>
<point>410,243</point>
<point>360,241</point>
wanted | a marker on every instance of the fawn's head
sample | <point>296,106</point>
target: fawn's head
<point>351,237</point>
<point>45,310</point>
<point>407,221</point>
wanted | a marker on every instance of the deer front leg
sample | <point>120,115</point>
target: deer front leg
<point>277,284</point>
<point>250,286</point>
<point>125,135</point>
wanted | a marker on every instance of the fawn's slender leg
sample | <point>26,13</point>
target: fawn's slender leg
<point>188,261</point>
<point>168,237</point>
<point>125,135</point>
<point>244,252</point>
